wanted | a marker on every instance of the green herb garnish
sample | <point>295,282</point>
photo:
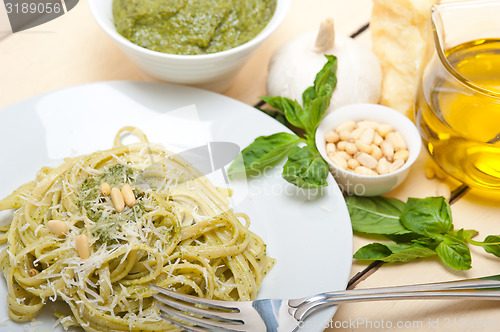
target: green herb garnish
<point>107,222</point>
<point>421,227</point>
<point>305,167</point>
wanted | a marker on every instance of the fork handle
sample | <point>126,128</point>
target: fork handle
<point>486,288</point>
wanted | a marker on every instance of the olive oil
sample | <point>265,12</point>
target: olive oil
<point>459,115</point>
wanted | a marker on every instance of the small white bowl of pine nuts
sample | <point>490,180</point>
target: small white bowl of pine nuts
<point>370,148</point>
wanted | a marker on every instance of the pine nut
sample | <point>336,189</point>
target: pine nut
<point>367,136</point>
<point>117,199</point>
<point>384,129</point>
<point>330,148</point>
<point>351,148</point>
<point>33,272</point>
<point>362,170</point>
<point>331,136</point>
<point>345,135</point>
<point>82,246</point>
<point>57,227</point>
<point>105,189</point>
<point>341,146</point>
<point>377,139</point>
<point>339,161</point>
<point>401,140</point>
<point>352,164</point>
<point>376,152</point>
<point>383,166</point>
<point>402,154</point>
<point>430,173</point>
<point>128,195</point>
<point>363,147</point>
<point>368,124</point>
<point>343,155</point>
<point>392,138</point>
<point>387,150</point>
<point>356,133</point>
<point>396,164</point>
<point>397,140</point>
<point>347,126</point>
<point>366,160</point>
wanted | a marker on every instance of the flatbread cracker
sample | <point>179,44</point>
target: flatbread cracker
<point>402,39</point>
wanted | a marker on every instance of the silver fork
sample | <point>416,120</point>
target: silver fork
<point>197,314</point>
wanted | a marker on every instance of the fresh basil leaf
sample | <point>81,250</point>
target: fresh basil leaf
<point>376,215</point>
<point>463,235</point>
<point>393,252</point>
<point>469,233</point>
<point>327,76</point>
<point>424,216</point>
<point>308,96</point>
<point>427,242</point>
<point>305,168</point>
<point>404,237</point>
<point>407,253</point>
<point>455,254</point>
<point>494,248</point>
<point>373,252</point>
<point>316,111</point>
<point>263,152</point>
<point>278,103</point>
<point>294,113</point>
<point>316,99</point>
<point>459,235</point>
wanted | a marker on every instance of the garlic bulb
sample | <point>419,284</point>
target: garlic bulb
<point>294,65</point>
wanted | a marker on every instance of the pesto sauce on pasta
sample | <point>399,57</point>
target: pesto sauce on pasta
<point>181,234</point>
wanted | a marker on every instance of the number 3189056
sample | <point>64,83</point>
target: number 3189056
<point>33,8</point>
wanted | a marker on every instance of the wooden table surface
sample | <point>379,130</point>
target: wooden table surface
<point>72,50</point>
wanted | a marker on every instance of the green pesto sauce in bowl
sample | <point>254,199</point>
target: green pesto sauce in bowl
<point>191,26</point>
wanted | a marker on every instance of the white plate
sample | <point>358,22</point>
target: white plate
<point>310,238</point>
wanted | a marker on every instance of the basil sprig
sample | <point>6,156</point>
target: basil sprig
<point>421,227</point>
<point>305,167</point>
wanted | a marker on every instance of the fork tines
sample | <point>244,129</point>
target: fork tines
<point>192,313</point>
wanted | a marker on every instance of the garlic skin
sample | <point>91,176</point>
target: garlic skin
<point>294,66</point>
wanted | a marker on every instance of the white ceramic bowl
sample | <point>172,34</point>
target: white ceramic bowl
<point>367,185</point>
<point>214,71</point>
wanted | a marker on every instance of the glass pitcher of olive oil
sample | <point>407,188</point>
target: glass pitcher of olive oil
<point>458,102</point>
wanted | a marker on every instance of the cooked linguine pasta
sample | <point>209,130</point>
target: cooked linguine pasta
<point>180,233</point>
